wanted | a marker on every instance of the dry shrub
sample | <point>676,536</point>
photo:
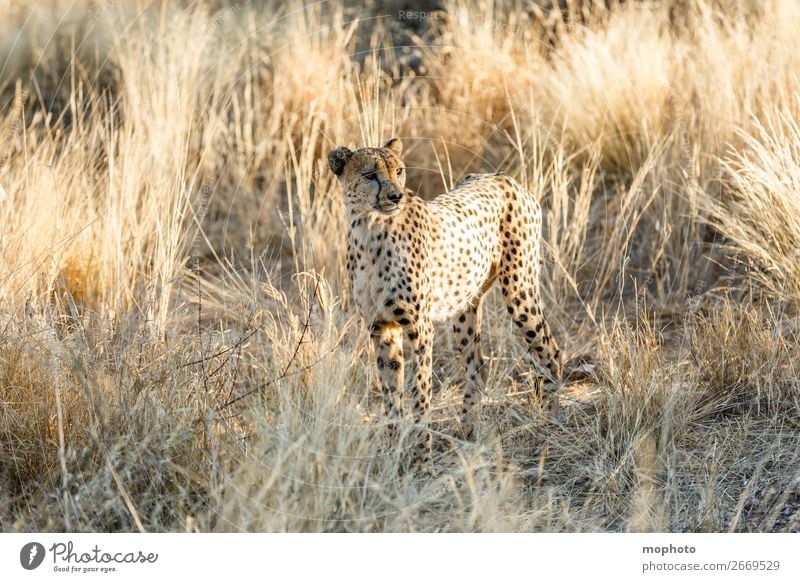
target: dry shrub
<point>746,357</point>
<point>641,412</point>
<point>599,90</point>
<point>758,212</point>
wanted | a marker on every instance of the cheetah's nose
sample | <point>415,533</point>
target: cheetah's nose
<point>395,196</point>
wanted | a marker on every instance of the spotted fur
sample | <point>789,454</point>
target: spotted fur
<point>412,263</point>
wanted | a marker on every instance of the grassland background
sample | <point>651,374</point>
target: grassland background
<point>178,350</point>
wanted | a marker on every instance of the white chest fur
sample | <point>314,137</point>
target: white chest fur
<point>374,264</point>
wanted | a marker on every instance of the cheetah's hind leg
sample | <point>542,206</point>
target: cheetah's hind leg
<point>525,306</point>
<point>467,332</point>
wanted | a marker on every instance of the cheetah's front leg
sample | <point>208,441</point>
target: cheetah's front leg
<point>387,339</point>
<point>420,336</point>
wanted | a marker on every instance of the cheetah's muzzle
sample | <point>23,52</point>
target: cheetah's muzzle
<point>389,209</point>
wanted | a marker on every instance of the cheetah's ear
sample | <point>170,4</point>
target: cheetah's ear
<point>395,146</point>
<point>338,158</point>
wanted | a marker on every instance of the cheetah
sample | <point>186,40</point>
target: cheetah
<point>412,263</point>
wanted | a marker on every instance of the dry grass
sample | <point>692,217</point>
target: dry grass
<point>177,346</point>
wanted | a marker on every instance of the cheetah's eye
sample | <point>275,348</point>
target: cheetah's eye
<point>371,176</point>
<point>399,171</point>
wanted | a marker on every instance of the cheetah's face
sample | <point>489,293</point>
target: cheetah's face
<point>373,179</point>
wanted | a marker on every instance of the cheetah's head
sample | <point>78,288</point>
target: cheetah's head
<point>373,179</point>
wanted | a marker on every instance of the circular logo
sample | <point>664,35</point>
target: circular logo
<point>31,555</point>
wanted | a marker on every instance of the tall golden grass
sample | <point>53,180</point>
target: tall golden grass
<point>177,345</point>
